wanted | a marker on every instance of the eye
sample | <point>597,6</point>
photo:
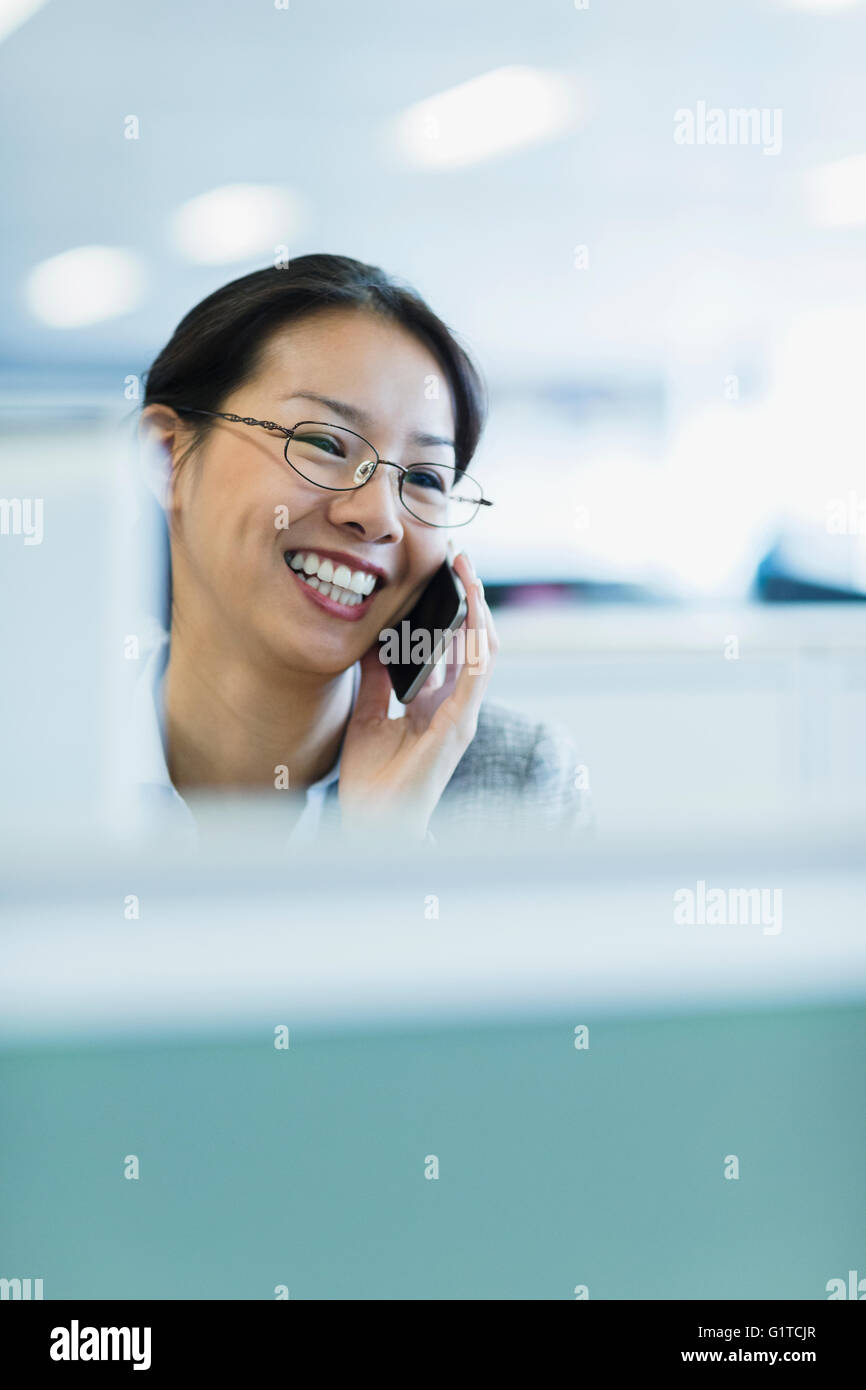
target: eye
<point>425,478</point>
<point>325,443</point>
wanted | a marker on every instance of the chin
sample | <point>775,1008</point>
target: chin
<point>314,658</point>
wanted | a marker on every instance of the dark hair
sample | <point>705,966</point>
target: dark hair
<point>218,344</point>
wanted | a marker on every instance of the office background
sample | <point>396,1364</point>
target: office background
<point>673,333</point>
<point>647,222</point>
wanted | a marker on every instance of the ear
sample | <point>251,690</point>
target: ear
<point>158,436</point>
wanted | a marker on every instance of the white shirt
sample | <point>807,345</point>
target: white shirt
<point>158,795</point>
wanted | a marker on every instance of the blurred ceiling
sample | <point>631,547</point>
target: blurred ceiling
<point>692,250</point>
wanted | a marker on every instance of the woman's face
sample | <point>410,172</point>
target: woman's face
<point>231,550</point>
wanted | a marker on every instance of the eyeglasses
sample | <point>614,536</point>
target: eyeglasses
<point>342,461</point>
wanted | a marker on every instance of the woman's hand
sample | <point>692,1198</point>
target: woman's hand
<point>394,770</point>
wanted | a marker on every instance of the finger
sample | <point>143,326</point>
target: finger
<point>436,679</point>
<point>434,691</point>
<point>493,635</point>
<point>464,569</point>
<point>462,707</point>
<point>468,576</point>
<point>477,642</point>
<point>374,692</point>
<point>451,659</point>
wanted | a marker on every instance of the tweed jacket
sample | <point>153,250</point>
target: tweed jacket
<point>516,771</point>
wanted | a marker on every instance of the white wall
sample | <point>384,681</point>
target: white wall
<point>672,732</point>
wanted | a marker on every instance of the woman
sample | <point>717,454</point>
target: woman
<point>283,579</point>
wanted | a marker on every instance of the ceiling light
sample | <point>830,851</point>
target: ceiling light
<point>505,109</point>
<point>235,223</point>
<point>13,13</point>
<point>85,285</point>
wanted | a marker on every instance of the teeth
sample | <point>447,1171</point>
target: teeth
<point>349,587</point>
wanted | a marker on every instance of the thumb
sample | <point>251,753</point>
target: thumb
<point>374,692</point>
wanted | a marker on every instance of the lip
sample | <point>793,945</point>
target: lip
<point>352,614</point>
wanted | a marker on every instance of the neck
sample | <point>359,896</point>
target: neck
<point>229,724</point>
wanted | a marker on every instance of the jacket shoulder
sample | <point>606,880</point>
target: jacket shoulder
<point>505,735</point>
<point>517,768</point>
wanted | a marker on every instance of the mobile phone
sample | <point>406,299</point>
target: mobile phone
<point>424,635</point>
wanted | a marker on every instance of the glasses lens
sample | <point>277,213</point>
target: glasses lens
<point>439,495</point>
<point>333,457</point>
<point>330,456</point>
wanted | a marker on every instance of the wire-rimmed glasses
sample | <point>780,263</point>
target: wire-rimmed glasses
<point>336,458</point>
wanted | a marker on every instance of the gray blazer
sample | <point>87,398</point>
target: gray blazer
<point>516,771</point>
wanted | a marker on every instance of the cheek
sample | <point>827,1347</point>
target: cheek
<point>244,511</point>
<point>225,536</point>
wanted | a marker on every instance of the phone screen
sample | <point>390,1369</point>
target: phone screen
<point>413,647</point>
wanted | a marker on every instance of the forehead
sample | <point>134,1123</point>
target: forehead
<point>360,357</point>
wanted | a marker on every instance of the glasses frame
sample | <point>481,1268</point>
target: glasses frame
<point>274,428</point>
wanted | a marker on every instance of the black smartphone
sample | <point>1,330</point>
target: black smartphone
<point>411,650</point>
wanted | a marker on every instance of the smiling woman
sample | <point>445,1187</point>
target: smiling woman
<point>315,425</point>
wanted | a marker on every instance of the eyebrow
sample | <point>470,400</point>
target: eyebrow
<point>359,417</point>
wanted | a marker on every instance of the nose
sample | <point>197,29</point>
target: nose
<point>372,510</point>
